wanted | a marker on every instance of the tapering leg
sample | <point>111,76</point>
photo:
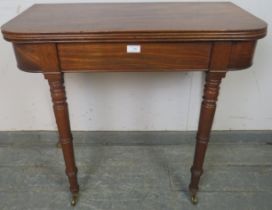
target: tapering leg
<point>60,106</point>
<point>208,107</point>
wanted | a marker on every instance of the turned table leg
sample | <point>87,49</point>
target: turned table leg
<point>60,106</point>
<point>208,107</point>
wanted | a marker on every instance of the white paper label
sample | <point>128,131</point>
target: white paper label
<point>133,48</point>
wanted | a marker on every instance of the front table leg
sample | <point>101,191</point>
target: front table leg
<point>208,107</point>
<point>60,106</point>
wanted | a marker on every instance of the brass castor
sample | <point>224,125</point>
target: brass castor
<point>74,199</point>
<point>58,145</point>
<point>194,199</point>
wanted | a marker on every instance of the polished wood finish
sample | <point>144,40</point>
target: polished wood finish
<point>60,107</point>
<point>208,107</point>
<point>242,55</point>
<point>134,22</point>
<point>37,57</point>
<point>153,57</point>
<point>210,37</point>
<point>77,57</point>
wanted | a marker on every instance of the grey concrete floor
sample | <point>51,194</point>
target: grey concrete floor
<point>136,171</point>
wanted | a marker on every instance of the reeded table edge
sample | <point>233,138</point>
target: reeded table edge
<point>136,36</point>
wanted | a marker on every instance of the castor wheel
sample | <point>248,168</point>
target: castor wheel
<point>194,199</point>
<point>74,199</point>
<point>58,145</point>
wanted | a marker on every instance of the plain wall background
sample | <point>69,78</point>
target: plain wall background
<point>136,101</point>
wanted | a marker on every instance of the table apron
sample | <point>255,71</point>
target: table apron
<point>132,57</point>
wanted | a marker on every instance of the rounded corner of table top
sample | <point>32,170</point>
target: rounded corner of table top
<point>152,22</point>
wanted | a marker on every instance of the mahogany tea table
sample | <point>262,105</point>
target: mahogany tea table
<point>54,39</point>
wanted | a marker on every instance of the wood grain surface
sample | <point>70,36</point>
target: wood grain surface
<point>134,21</point>
<point>57,38</point>
<point>153,57</point>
